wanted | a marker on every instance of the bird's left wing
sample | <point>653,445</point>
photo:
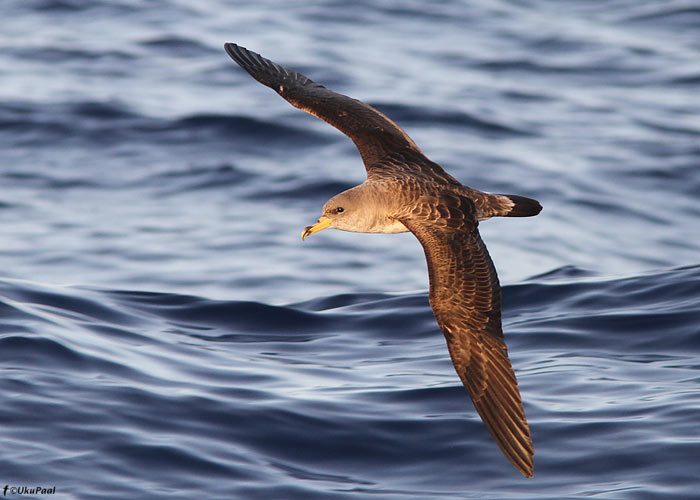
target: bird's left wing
<point>466,299</point>
<point>373,133</point>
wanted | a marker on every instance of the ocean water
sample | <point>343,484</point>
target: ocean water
<point>164,332</point>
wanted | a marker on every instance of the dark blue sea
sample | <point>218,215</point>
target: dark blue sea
<point>164,332</point>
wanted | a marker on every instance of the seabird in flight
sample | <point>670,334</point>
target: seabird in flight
<point>405,191</point>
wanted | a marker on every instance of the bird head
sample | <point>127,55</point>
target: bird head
<point>344,211</point>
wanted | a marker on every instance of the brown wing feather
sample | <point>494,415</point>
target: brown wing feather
<point>373,133</point>
<point>466,298</point>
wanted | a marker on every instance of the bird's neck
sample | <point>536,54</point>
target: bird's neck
<point>379,201</point>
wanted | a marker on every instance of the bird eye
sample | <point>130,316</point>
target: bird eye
<point>339,210</point>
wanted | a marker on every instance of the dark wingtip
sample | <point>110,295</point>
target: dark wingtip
<point>230,49</point>
<point>234,51</point>
<point>247,59</point>
<point>526,468</point>
<point>263,70</point>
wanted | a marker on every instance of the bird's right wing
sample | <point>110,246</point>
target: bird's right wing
<point>466,299</point>
<point>373,133</point>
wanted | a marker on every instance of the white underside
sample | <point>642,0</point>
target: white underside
<point>391,228</point>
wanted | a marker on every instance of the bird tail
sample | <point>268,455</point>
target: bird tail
<point>521,206</point>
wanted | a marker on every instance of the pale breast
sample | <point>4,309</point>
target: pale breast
<point>390,227</point>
